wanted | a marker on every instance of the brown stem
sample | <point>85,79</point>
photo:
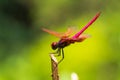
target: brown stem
<point>54,66</point>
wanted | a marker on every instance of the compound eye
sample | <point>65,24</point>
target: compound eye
<point>54,45</point>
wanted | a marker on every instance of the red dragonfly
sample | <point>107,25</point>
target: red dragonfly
<point>65,40</point>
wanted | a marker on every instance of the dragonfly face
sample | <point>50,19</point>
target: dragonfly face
<point>54,45</point>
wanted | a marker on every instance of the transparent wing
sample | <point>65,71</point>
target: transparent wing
<point>53,32</point>
<point>68,32</point>
<point>60,35</point>
<point>82,37</point>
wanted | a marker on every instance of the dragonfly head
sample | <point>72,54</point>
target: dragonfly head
<point>54,45</point>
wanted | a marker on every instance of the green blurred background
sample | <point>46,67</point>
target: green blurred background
<point>25,48</point>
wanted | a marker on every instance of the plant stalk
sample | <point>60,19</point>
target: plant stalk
<point>54,67</point>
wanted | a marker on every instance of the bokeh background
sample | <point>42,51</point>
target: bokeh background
<point>25,48</point>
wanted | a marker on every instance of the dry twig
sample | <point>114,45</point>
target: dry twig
<point>54,66</point>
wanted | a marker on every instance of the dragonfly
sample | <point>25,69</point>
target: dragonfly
<point>66,40</point>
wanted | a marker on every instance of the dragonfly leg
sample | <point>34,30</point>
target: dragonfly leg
<point>57,53</point>
<point>62,55</point>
